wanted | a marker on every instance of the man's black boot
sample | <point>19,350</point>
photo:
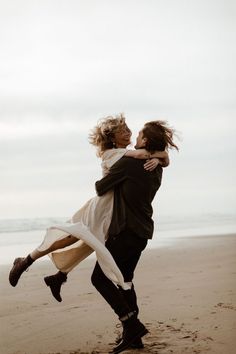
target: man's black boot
<point>133,330</point>
<point>137,344</point>
<point>55,282</point>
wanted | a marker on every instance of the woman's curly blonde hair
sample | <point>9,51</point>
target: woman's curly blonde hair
<point>102,135</point>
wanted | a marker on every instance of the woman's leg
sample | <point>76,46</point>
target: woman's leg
<point>67,241</point>
<point>71,259</point>
<point>21,264</point>
<point>54,282</point>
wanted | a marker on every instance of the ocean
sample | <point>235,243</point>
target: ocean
<point>18,237</point>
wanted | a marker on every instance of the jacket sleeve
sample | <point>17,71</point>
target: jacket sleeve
<point>116,175</point>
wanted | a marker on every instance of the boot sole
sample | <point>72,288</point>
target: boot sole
<point>128,344</point>
<point>132,346</point>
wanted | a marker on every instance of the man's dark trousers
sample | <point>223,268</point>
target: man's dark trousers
<point>126,249</point>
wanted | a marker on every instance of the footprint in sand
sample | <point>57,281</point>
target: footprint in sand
<point>226,306</point>
<point>174,338</point>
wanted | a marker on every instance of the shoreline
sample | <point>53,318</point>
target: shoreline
<point>187,299</point>
<point>158,241</point>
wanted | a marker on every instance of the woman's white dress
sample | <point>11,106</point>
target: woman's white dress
<point>90,225</point>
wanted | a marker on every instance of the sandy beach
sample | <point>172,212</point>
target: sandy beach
<point>187,298</point>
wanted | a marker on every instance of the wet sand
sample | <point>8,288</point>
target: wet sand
<point>187,299</point>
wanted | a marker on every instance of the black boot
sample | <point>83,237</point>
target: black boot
<point>131,299</point>
<point>133,331</point>
<point>137,344</point>
<point>55,282</point>
<point>19,266</point>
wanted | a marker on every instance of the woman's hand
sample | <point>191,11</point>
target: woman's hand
<point>151,164</point>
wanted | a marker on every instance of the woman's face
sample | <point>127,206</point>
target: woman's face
<point>122,137</point>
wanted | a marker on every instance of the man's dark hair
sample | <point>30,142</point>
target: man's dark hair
<point>159,136</point>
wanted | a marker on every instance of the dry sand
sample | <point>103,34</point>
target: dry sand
<point>187,298</point>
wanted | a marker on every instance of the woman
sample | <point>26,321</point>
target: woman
<point>70,243</point>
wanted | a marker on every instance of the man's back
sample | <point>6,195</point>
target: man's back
<point>134,190</point>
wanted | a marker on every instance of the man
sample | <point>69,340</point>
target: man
<point>131,226</point>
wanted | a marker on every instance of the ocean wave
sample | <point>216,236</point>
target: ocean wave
<point>162,223</point>
<point>32,224</point>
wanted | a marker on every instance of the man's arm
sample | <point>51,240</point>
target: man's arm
<point>117,175</point>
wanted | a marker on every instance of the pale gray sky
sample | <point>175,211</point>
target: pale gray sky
<point>65,64</point>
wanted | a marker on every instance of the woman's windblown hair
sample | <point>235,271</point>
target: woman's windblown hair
<point>159,136</point>
<point>102,135</point>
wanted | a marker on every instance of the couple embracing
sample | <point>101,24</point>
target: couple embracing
<point>116,224</point>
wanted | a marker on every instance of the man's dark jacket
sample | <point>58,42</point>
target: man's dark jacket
<point>134,190</point>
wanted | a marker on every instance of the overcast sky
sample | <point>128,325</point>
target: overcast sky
<point>65,64</point>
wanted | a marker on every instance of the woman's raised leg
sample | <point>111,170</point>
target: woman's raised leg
<point>22,264</point>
